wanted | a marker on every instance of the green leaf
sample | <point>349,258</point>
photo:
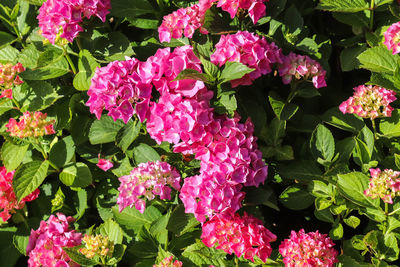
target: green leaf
<point>144,153</point>
<point>5,105</point>
<point>128,134</point>
<point>361,153</point>
<point>54,70</point>
<point>78,257</point>
<point>104,130</point>
<point>322,144</point>
<point>62,152</point>
<point>324,215</point>
<point>159,228</point>
<point>28,177</point>
<point>390,127</point>
<point>233,71</point>
<point>378,59</point>
<point>350,6</point>
<point>301,170</point>
<point>132,219</point>
<point>296,198</point>
<point>8,253</point>
<point>119,251</point>
<point>348,57</point>
<point>190,74</point>
<point>347,122</point>
<point>352,221</point>
<point>358,19</point>
<point>389,250</point>
<point>12,155</point>
<point>201,255</point>
<point>320,189</point>
<point>293,23</point>
<point>6,38</point>
<point>8,54</point>
<point>130,9</point>
<point>35,2</point>
<point>284,153</point>
<point>112,230</point>
<point>336,232</point>
<point>348,261</point>
<point>181,222</point>
<point>322,203</point>
<point>352,186</point>
<point>112,46</point>
<point>148,24</point>
<point>87,64</point>
<point>80,203</point>
<point>284,111</point>
<point>76,175</point>
<point>228,101</point>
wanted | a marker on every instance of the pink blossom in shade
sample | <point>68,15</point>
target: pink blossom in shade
<point>308,249</point>
<point>383,184</point>
<point>145,182</point>
<point>31,124</point>
<point>392,38</point>
<point>8,199</point>
<point>61,18</point>
<point>104,164</point>
<point>249,49</point>
<point>45,247</point>
<point>168,262</point>
<point>369,101</point>
<point>9,77</point>
<point>301,67</point>
<point>184,21</point>
<point>119,89</point>
<point>242,235</point>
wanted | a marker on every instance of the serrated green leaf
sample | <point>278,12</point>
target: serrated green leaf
<point>111,229</point>
<point>181,222</point>
<point>190,74</point>
<point>390,127</point>
<point>128,134</point>
<point>322,144</point>
<point>132,219</point>
<point>233,71</point>
<point>104,130</point>
<point>12,155</point>
<point>378,59</point>
<point>343,5</point>
<point>87,65</point>
<point>301,170</point>
<point>336,232</point>
<point>352,221</point>
<point>284,111</point>
<point>28,177</point>
<point>78,257</point>
<point>76,175</point>
<point>144,153</point>
<point>8,54</point>
<point>201,255</point>
<point>347,122</point>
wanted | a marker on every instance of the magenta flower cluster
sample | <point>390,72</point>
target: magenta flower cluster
<point>383,184</point>
<point>61,18</point>
<point>392,38</point>
<point>145,182</point>
<point>369,101</point>
<point>301,67</point>
<point>255,8</point>
<point>308,250</point>
<point>45,247</point>
<point>244,235</point>
<point>249,49</point>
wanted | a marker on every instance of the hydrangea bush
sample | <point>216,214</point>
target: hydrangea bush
<point>199,133</point>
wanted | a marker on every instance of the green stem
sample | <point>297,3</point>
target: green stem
<point>386,208</point>
<point>371,17</point>
<point>293,91</point>
<point>16,103</point>
<point>54,166</point>
<point>393,212</point>
<point>70,61</point>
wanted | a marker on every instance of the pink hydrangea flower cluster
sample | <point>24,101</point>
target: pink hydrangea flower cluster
<point>392,38</point>
<point>45,247</point>
<point>8,200</point>
<point>9,77</point>
<point>249,49</point>
<point>183,21</point>
<point>145,182</point>
<point>244,235</point>
<point>369,101</point>
<point>383,184</point>
<point>168,262</point>
<point>61,18</point>
<point>308,250</point>
<point>301,67</point>
<point>31,124</point>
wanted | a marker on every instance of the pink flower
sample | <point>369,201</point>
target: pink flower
<point>46,243</point>
<point>61,18</point>
<point>31,124</point>
<point>301,67</point>
<point>392,38</point>
<point>383,184</point>
<point>245,235</point>
<point>104,164</point>
<point>308,250</point>
<point>369,101</point>
<point>145,182</point>
<point>9,77</point>
<point>8,199</point>
<point>168,262</point>
<point>249,49</point>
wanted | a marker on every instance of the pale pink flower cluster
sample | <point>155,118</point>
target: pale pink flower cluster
<point>8,200</point>
<point>168,262</point>
<point>301,67</point>
<point>9,77</point>
<point>369,101</point>
<point>31,124</point>
<point>308,250</point>
<point>61,18</point>
<point>104,164</point>
<point>45,247</point>
<point>97,245</point>
<point>183,21</point>
<point>392,38</point>
<point>244,235</point>
<point>383,184</point>
<point>146,181</point>
<point>249,49</point>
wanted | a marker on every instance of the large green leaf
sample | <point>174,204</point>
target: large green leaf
<point>104,130</point>
<point>301,170</point>
<point>6,38</point>
<point>28,177</point>
<point>131,9</point>
<point>181,222</point>
<point>284,111</point>
<point>348,122</point>
<point>295,197</point>
<point>79,258</point>
<point>390,127</point>
<point>8,54</point>
<point>352,186</point>
<point>87,64</point>
<point>8,253</point>
<point>144,153</point>
<point>12,155</point>
<point>76,175</point>
<point>233,71</point>
<point>131,218</point>
<point>62,151</point>
<point>378,59</point>
<point>112,230</point>
<point>128,134</point>
<point>322,143</point>
<point>201,255</point>
<point>343,5</point>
